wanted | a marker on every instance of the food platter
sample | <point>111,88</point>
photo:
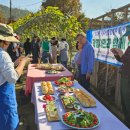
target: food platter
<point>46,98</point>
<point>64,81</point>
<point>47,87</point>
<point>64,89</point>
<point>49,67</point>
<point>51,112</point>
<point>44,66</point>
<point>80,120</point>
<point>70,103</point>
<point>52,72</point>
<point>57,67</point>
<point>84,98</point>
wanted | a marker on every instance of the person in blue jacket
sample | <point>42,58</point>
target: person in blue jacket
<point>8,76</point>
<point>87,60</point>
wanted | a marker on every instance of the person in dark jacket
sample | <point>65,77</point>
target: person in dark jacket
<point>27,46</point>
<point>35,49</point>
<point>13,51</point>
<point>125,77</point>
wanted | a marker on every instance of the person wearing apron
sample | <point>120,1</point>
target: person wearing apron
<point>8,76</point>
<point>8,107</point>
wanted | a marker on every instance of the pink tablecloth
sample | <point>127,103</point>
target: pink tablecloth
<point>35,75</point>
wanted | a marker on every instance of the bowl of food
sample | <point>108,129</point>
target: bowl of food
<point>80,120</point>
<point>64,81</point>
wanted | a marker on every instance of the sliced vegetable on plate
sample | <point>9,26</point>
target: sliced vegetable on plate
<point>46,98</point>
<point>69,102</point>
<point>80,120</point>
<point>64,81</point>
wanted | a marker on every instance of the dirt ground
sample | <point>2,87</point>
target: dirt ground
<point>25,107</point>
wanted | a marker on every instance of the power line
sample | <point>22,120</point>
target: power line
<point>10,11</point>
<point>33,4</point>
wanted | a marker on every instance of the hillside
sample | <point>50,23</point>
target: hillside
<point>16,13</point>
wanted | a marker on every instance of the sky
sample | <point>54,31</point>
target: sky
<point>91,8</point>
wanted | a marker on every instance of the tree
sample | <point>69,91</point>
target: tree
<point>49,23</point>
<point>84,21</point>
<point>70,7</point>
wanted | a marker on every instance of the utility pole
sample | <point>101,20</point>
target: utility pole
<point>10,11</point>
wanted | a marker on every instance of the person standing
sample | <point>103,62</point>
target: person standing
<point>87,61</point>
<point>27,47</point>
<point>12,51</point>
<point>77,62</point>
<point>46,50</point>
<point>35,50</point>
<point>39,42</point>
<point>9,119</point>
<point>54,43</point>
<point>125,77</point>
<point>63,48</point>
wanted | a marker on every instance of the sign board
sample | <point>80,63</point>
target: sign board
<point>105,39</point>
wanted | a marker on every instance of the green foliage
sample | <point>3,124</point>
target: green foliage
<point>84,21</point>
<point>69,7</point>
<point>50,22</point>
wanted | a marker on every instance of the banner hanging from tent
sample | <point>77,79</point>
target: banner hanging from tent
<point>105,39</point>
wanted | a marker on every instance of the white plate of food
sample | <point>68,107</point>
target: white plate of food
<point>45,98</point>
<point>80,120</point>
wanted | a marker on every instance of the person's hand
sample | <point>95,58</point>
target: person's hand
<point>30,55</point>
<point>21,49</point>
<point>26,59</point>
<point>88,76</point>
<point>21,57</point>
<point>16,63</point>
<point>114,51</point>
<point>117,51</point>
<point>17,47</point>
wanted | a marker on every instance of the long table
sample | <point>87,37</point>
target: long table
<point>107,120</point>
<point>35,75</point>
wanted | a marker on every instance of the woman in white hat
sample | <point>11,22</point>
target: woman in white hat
<point>8,76</point>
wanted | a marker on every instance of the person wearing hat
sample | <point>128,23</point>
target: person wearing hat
<point>8,76</point>
<point>125,77</point>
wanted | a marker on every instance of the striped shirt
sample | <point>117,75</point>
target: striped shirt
<point>7,71</point>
